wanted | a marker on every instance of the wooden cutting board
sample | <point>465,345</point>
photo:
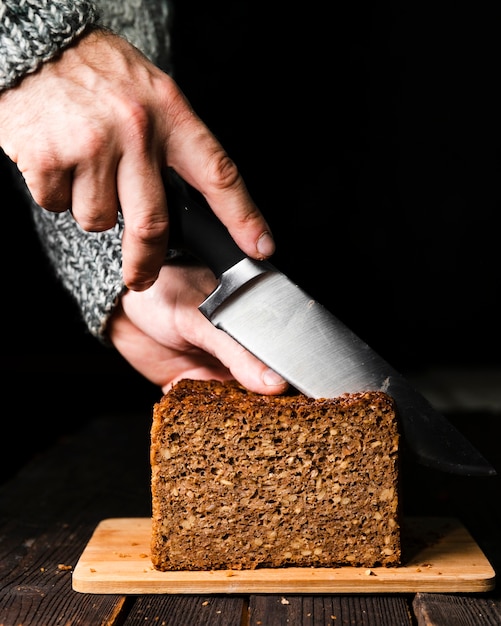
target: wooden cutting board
<point>441,557</point>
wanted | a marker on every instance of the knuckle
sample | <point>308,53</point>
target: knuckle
<point>44,186</point>
<point>147,229</point>
<point>224,176</point>
<point>222,172</point>
<point>48,201</point>
<point>92,141</point>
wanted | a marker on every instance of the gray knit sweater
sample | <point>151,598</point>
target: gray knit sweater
<point>31,33</point>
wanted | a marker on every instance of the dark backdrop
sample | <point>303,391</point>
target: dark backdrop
<point>369,136</point>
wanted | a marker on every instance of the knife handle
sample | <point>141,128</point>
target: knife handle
<point>195,229</point>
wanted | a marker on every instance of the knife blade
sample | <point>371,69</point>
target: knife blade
<point>284,327</point>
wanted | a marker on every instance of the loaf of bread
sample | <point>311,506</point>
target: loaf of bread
<point>242,480</point>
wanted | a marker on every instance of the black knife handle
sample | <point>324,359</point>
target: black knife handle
<point>195,229</point>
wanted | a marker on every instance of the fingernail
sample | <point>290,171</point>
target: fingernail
<point>270,377</point>
<point>266,244</point>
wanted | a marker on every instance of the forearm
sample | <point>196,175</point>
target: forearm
<point>35,31</point>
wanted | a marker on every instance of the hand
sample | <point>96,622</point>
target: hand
<point>163,335</point>
<point>91,132</point>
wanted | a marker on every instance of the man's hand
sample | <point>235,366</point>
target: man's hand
<point>92,130</point>
<point>163,335</point>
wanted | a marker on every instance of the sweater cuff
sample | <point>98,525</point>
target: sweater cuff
<point>34,31</point>
<point>89,265</point>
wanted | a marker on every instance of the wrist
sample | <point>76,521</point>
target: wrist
<point>33,33</point>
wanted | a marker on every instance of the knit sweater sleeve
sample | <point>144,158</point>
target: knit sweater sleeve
<point>34,31</point>
<point>88,265</point>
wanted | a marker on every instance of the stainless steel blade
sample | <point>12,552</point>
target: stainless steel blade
<point>321,357</point>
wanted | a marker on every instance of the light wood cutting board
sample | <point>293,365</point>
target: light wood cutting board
<point>442,557</point>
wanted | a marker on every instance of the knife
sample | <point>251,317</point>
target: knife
<point>284,327</point>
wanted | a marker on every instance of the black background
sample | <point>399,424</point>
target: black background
<point>370,138</point>
<point>368,135</point>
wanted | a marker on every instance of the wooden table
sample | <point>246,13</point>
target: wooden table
<point>50,508</point>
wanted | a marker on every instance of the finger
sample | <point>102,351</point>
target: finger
<point>94,201</point>
<point>247,369</point>
<point>243,365</point>
<point>196,154</point>
<point>142,200</point>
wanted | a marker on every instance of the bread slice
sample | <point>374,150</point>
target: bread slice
<point>242,480</point>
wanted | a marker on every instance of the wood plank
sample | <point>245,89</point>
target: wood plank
<point>36,578</point>
<point>187,610</point>
<point>433,609</point>
<point>31,607</point>
<point>444,558</point>
<point>296,610</point>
